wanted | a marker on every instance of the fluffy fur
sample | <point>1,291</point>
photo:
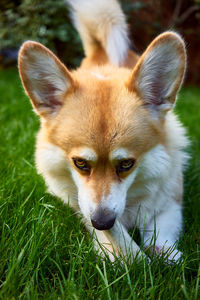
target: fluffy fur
<point>115,109</point>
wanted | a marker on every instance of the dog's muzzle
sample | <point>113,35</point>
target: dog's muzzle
<point>103,219</point>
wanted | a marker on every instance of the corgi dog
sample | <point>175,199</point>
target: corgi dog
<point>109,144</point>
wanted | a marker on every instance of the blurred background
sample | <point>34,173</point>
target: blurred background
<point>44,251</point>
<point>49,23</point>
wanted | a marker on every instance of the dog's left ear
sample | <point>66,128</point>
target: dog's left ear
<point>158,75</point>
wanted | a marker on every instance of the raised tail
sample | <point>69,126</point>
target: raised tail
<point>101,25</point>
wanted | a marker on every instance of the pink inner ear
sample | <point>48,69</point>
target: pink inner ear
<point>156,92</point>
<point>48,95</point>
<point>51,96</point>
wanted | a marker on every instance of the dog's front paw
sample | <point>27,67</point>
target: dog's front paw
<point>173,256</point>
<point>170,254</point>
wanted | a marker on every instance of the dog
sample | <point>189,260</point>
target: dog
<point>109,144</point>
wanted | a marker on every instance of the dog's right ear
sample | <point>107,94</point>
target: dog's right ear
<point>46,80</point>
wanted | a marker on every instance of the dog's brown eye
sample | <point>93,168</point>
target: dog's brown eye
<point>81,164</point>
<point>125,165</point>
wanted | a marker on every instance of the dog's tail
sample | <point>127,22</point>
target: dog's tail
<point>101,25</point>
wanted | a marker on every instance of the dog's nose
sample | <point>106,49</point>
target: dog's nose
<point>103,219</point>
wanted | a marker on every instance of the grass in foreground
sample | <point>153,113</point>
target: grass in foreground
<point>46,253</point>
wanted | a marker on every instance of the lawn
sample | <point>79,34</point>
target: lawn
<point>45,251</point>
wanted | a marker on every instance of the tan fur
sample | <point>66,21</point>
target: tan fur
<point>97,109</point>
<point>101,106</point>
<point>100,58</point>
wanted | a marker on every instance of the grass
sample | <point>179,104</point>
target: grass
<point>45,251</point>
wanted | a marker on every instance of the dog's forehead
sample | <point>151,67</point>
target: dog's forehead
<point>101,115</point>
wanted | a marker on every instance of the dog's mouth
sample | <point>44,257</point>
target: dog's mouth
<point>103,219</point>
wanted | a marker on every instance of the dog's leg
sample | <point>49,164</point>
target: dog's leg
<point>163,231</point>
<point>116,242</point>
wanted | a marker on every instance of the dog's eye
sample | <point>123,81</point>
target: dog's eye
<point>81,164</point>
<point>125,165</point>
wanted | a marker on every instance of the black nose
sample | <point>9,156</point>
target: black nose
<point>103,219</point>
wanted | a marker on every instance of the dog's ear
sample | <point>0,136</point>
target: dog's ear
<point>45,79</point>
<point>158,75</point>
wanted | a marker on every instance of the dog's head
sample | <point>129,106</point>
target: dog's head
<point>102,120</point>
